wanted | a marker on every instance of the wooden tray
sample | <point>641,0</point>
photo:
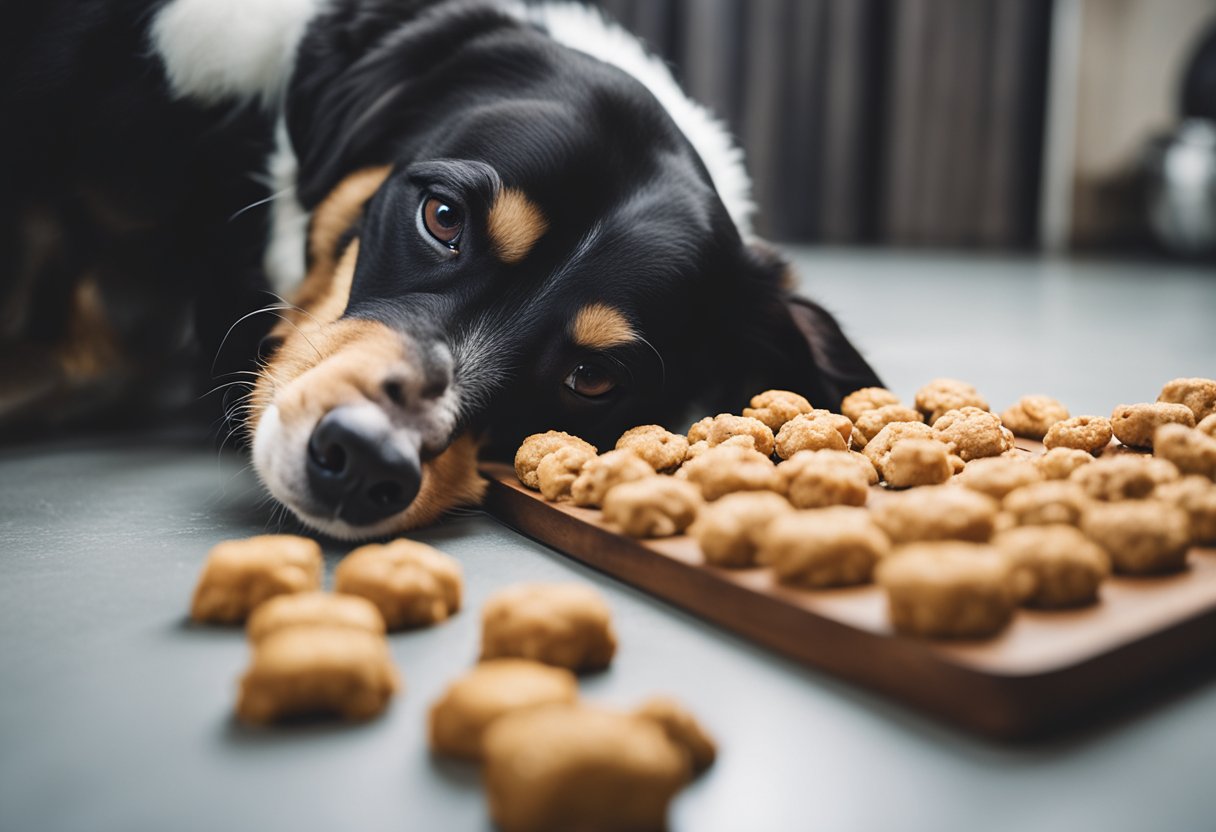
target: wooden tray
<point>1044,671</point>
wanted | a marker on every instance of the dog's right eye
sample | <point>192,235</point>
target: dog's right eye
<point>442,220</point>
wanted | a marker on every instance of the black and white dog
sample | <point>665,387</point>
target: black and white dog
<point>491,218</point>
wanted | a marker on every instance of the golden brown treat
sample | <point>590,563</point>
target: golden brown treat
<point>653,506</point>
<point>917,462</point>
<point>973,433</point>
<point>700,447</point>
<point>1199,394</point>
<point>1191,450</point>
<point>1084,433</point>
<point>412,584</point>
<point>776,407</point>
<point>558,471</point>
<point>567,625</point>
<point>943,394</point>
<point>1207,425</point>
<point>606,471</point>
<point>948,589</point>
<point>539,445</point>
<point>727,468</point>
<point>1142,537</point>
<point>316,609</point>
<point>823,547</point>
<point>1197,497</point>
<point>936,512</point>
<point>867,467</point>
<point>240,574</point>
<point>867,398</point>
<point>997,476</point>
<point>1062,565</point>
<point>459,718</point>
<point>682,729</point>
<point>662,449</point>
<point>814,479</point>
<point>317,671</point>
<point>1134,424</point>
<point>815,431</point>
<point>1059,463</point>
<point>1033,416</point>
<point>727,530</point>
<point>886,439</point>
<point>699,432</point>
<point>868,424</point>
<point>1123,477</point>
<point>727,426</point>
<point>1046,503</point>
<point>565,767</point>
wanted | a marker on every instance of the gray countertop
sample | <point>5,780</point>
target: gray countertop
<point>115,713</point>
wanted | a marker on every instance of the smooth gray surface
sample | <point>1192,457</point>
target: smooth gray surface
<point>115,714</point>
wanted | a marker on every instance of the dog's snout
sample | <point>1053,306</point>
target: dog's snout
<point>360,468</point>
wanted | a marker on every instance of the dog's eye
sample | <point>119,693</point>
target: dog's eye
<point>590,380</point>
<point>443,220</point>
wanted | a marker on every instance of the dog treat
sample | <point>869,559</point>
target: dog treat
<point>974,433</point>
<point>727,469</point>
<point>1123,477</point>
<point>1046,503</point>
<point>823,547</point>
<point>412,584</point>
<point>701,446</point>
<point>682,729</point>
<point>317,671</point>
<point>1033,416</point>
<point>1142,537</point>
<point>699,432</point>
<point>566,625</point>
<point>814,479</point>
<point>604,472</point>
<point>558,471</point>
<point>1197,497</point>
<point>566,767</point>
<point>1134,424</point>
<point>539,445</point>
<point>1191,450</point>
<point>936,512</point>
<point>1207,425</point>
<point>997,476</point>
<point>460,717</point>
<point>728,529</point>
<point>1065,567</point>
<point>886,438</point>
<point>943,394</point>
<point>662,449</point>
<point>654,506</point>
<point>317,609</point>
<point>818,430</point>
<point>1084,433</point>
<point>1199,394</point>
<point>776,407</point>
<point>727,426</point>
<point>1059,463</point>
<point>868,424</point>
<point>867,398</point>
<point>240,574</point>
<point>948,589</point>
<point>918,462</point>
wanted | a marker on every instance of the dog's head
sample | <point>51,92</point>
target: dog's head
<point>538,247</point>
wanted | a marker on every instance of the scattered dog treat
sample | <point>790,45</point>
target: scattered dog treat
<point>997,476</point>
<point>699,432</point>
<point>1196,496</point>
<point>1142,537</point>
<point>944,394</point>
<point>869,423</point>
<point>814,479</point>
<point>605,471</point>
<point>559,469</point>
<point>1032,416</point>
<point>700,447</point>
<point>1123,477</point>
<point>865,399</point>
<point>539,445</point>
<point>663,450</point>
<point>726,469</point>
<point>1059,463</point>
<point>412,584</point>
<point>913,462</point>
<point>652,506</point>
<point>728,529</point>
<point>314,609</point>
<point>241,574</point>
<point>1190,450</point>
<point>937,512</point>
<point>1134,424</point>
<point>682,729</point>
<point>459,718</point>
<point>824,547</point>
<point>726,426</point>
<point>567,625</point>
<point>973,433</point>
<point>886,438</point>
<point>1046,503</point>
<point>1199,394</point>
<point>1084,433</point>
<point>818,430</point>
<point>776,407</point>
<point>948,589</point>
<point>1065,566</point>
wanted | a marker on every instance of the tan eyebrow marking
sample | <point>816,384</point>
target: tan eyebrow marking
<point>597,326</point>
<point>515,225</point>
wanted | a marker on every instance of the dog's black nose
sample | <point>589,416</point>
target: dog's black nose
<point>361,469</point>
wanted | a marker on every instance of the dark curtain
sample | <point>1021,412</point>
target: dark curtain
<point>871,121</point>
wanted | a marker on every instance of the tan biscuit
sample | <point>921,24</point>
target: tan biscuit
<point>317,671</point>
<point>1142,537</point>
<point>1197,497</point>
<point>867,398</point>
<point>567,625</point>
<point>997,476</point>
<point>948,589</point>
<point>728,529</point>
<point>888,436</point>
<point>814,479</point>
<point>682,728</point>
<point>1084,433</point>
<point>1123,477</point>
<point>700,447</point>
<point>559,469</point>
<point>240,574</point>
<point>1199,394</point>
<point>936,512</point>
<point>318,609</point>
<point>412,584</point>
<point>655,506</point>
<point>1046,503</point>
<point>776,407</point>
<point>727,469</point>
<point>727,426</point>
<point>973,433</point>
<point>662,449</point>
<point>824,547</point>
<point>1063,566</point>
<point>915,462</point>
<point>1033,416</point>
<point>1134,424</point>
<point>868,424</point>
<point>1059,463</point>
<point>459,718</point>
<point>699,432</point>
<point>943,394</point>
<point>604,472</point>
<point>539,445</point>
<point>815,431</point>
<point>1191,450</point>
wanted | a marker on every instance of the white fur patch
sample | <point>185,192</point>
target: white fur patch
<point>588,31</point>
<point>218,50</point>
<point>283,259</point>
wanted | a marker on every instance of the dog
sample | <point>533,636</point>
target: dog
<point>485,219</point>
